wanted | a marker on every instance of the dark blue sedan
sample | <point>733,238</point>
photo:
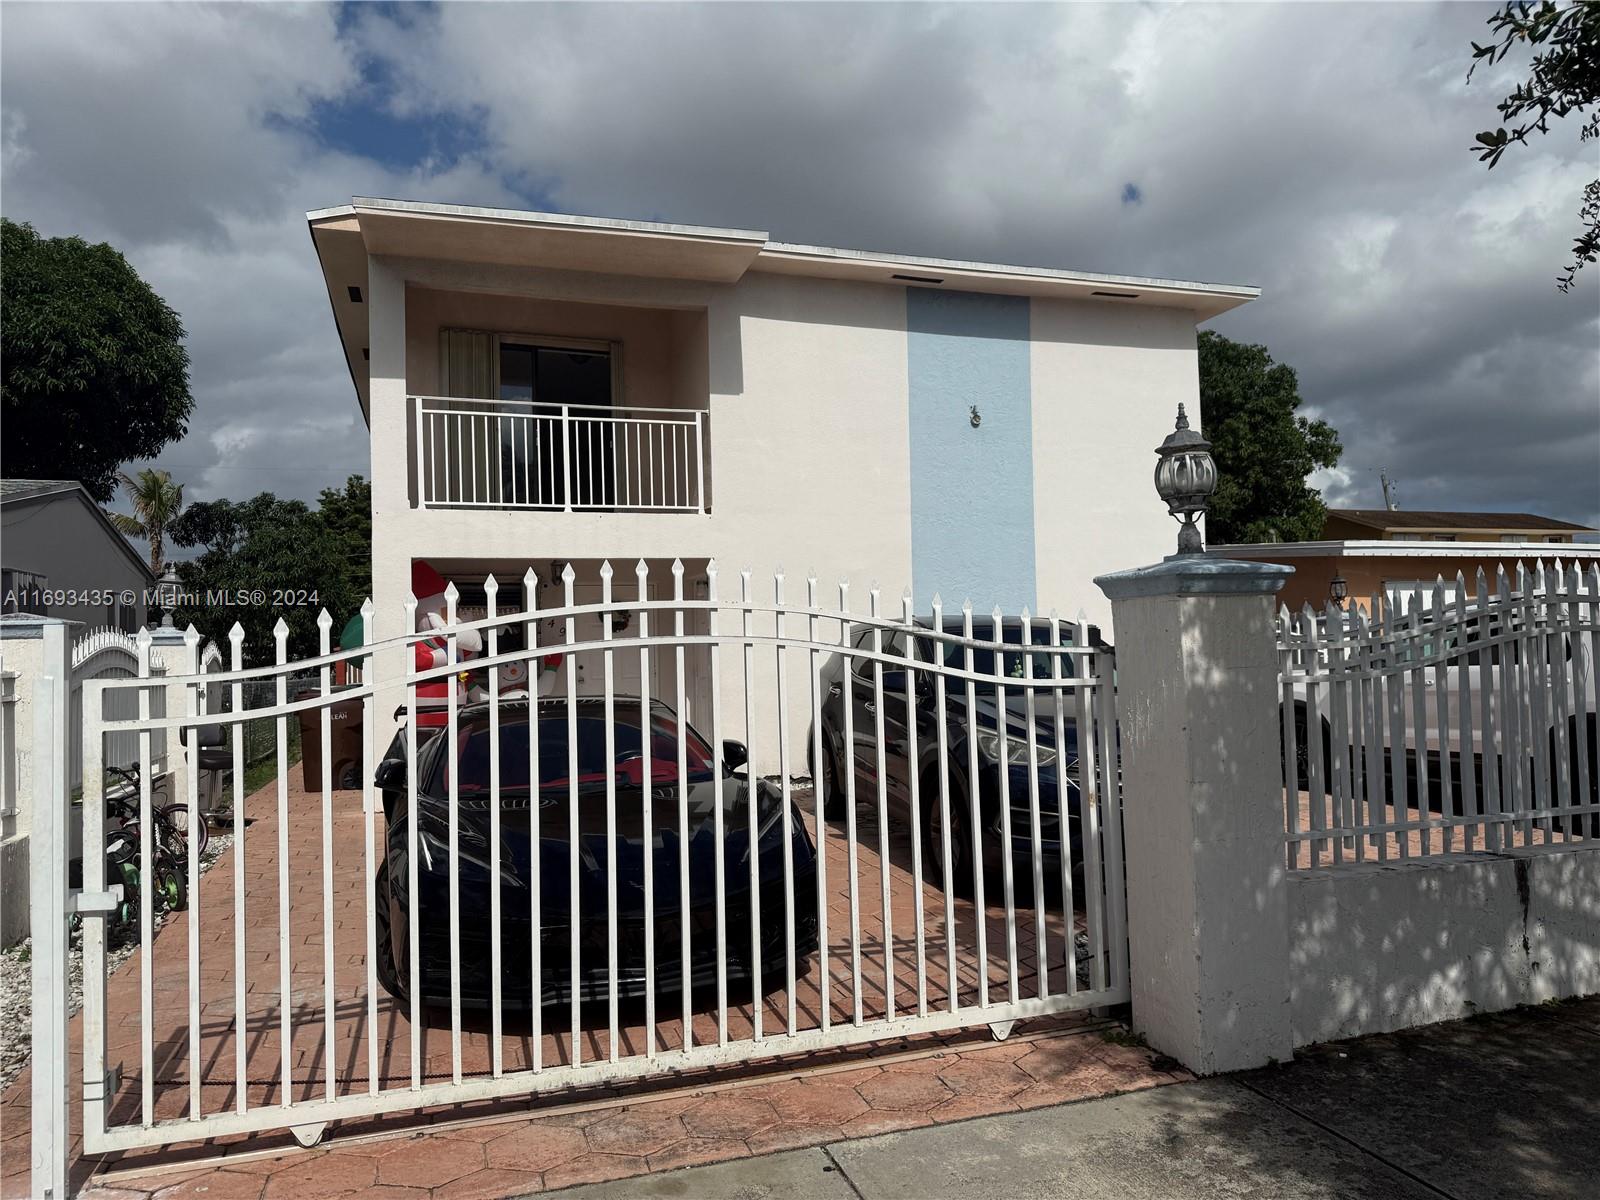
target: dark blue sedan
<point>705,775</point>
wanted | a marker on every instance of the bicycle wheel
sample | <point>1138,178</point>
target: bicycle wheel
<point>175,819</point>
<point>171,885</point>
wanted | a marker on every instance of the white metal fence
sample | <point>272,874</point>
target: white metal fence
<point>530,894</point>
<point>521,454</point>
<point>1454,720</point>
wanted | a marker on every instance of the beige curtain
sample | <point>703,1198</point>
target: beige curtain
<point>467,370</point>
<point>466,364</point>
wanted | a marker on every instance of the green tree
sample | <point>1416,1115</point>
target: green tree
<point>266,557</point>
<point>1264,451</point>
<point>94,373</point>
<point>1563,78</point>
<point>156,501</point>
<point>347,514</point>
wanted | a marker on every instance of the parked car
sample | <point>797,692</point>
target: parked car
<point>1057,764</point>
<point>706,779</point>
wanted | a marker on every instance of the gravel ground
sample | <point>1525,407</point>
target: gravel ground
<point>16,980</point>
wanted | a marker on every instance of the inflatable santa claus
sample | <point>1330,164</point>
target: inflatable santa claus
<point>428,586</point>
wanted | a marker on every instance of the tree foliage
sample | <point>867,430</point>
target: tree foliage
<point>347,514</point>
<point>156,501</point>
<point>95,373</point>
<point>266,557</point>
<point>1563,78</point>
<point>1263,450</point>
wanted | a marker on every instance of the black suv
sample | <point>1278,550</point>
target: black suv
<point>1057,762</point>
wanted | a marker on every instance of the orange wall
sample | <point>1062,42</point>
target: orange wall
<point>1367,576</point>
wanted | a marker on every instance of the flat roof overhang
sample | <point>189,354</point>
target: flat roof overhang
<point>555,241</point>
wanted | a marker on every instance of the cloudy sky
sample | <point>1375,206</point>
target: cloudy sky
<point>1319,151</point>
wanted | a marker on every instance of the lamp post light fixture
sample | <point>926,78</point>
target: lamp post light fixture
<point>1186,476</point>
<point>167,594</point>
<point>1338,590</point>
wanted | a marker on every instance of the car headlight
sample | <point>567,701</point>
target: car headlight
<point>1016,750</point>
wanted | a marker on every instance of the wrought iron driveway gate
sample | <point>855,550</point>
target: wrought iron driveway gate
<point>527,895</point>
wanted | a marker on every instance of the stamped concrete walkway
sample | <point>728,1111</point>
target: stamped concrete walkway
<point>1501,1106</point>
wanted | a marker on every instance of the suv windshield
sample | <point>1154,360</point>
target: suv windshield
<point>1013,663</point>
<point>554,757</point>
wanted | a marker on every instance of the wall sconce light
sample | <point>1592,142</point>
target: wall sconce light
<point>976,418</point>
<point>1338,590</point>
<point>620,621</point>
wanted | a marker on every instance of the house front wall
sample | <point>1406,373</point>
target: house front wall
<point>840,430</point>
<point>1107,380</point>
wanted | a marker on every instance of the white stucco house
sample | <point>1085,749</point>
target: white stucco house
<point>544,389</point>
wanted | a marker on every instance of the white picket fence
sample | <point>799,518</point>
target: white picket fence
<point>603,873</point>
<point>1453,720</point>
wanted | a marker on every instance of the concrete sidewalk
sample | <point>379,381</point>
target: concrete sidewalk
<point>1497,1106</point>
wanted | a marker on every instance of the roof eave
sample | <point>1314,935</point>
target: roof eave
<point>1209,299</point>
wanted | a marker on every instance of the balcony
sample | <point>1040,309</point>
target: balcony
<point>560,457</point>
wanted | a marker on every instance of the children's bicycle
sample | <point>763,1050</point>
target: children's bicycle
<point>173,823</point>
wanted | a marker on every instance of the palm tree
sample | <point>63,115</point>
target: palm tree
<point>156,501</point>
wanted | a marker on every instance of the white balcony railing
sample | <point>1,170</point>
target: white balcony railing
<point>559,457</point>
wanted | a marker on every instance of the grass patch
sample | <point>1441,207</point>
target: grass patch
<point>265,769</point>
<point>1125,1037</point>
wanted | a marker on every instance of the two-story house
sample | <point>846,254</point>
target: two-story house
<point>545,389</point>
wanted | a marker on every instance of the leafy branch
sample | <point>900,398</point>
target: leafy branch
<point>1563,78</point>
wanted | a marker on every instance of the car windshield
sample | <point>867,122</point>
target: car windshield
<point>555,759</point>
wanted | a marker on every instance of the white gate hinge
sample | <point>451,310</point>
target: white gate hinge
<point>97,904</point>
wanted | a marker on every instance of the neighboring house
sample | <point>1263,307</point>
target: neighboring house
<point>60,556</point>
<point>545,389</point>
<point>1394,525</point>
<point>1385,553</point>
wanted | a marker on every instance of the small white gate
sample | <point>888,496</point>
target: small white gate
<point>532,894</point>
<point>111,654</point>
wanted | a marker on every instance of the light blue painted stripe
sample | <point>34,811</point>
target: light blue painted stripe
<point>971,489</point>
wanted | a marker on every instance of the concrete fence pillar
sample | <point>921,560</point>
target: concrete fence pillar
<point>1197,686</point>
<point>179,652</point>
